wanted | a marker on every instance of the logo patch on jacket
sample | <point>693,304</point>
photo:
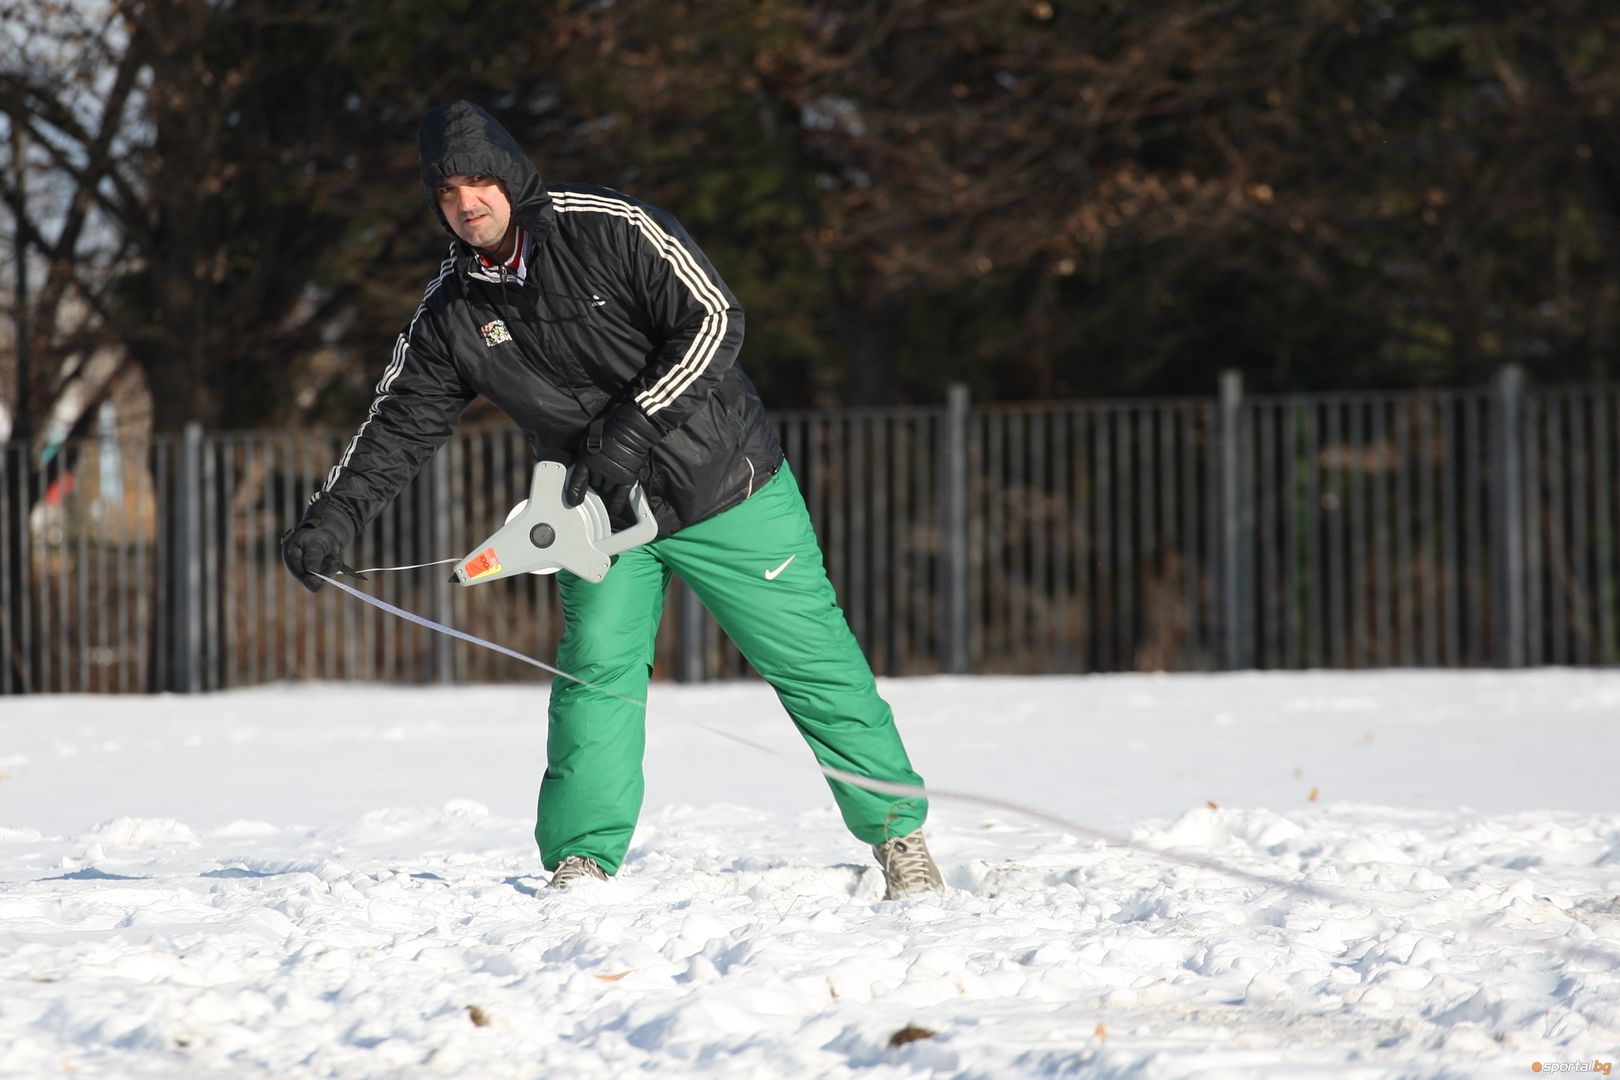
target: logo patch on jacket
<point>494,333</point>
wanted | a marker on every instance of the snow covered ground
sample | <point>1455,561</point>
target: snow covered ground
<point>317,881</point>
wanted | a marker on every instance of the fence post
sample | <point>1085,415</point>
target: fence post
<point>443,656</point>
<point>188,488</point>
<point>957,401</point>
<point>689,647</point>
<point>1509,524</point>
<point>1235,539</point>
<point>17,654</point>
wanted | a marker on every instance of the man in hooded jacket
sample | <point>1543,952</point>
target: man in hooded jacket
<point>597,324</point>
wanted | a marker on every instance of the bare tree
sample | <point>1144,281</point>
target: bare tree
<point>71,99</point>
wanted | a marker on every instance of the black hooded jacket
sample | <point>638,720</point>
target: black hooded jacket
<point>618,303</point>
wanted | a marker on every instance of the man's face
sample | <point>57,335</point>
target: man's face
<point>477,209</point>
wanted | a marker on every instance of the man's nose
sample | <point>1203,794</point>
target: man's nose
<point>466,199</point>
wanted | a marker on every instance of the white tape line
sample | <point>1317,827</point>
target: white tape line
<point>883,787</point>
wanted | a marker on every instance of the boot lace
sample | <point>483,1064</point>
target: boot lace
<point>908,867</point>
<point>575,867</point>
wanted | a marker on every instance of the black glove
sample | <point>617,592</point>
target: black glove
<point>612,454</point>
<point>312,548</point>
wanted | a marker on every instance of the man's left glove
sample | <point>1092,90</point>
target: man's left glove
<point>615,447</point>
<point>312,548</point>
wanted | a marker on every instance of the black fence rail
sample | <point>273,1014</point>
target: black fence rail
<point>1461,529</point>
<point>1373,526</point>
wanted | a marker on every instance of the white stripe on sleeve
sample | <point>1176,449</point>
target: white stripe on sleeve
<point>711,332</point>
<point>396,364</point>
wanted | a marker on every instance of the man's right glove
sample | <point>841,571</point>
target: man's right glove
<point>615,447</point>
<point>312,548</point>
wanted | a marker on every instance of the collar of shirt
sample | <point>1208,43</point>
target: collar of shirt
<point>515,269</point>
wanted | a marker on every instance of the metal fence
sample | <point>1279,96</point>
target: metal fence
<point>1461,529</point>
<point>1458,528</point>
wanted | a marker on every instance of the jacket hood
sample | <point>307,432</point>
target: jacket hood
<point>462,139</point>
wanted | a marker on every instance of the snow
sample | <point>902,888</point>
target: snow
<point>339,881</point>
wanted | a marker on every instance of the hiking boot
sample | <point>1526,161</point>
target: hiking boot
<point>574,868</point>
<point>908,869</point>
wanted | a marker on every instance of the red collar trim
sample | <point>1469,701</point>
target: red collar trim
<point>517,255</point>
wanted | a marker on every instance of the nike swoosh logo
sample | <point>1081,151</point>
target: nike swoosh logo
<point>772,575</point>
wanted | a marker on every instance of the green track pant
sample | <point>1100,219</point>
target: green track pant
<point>758,569</point>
